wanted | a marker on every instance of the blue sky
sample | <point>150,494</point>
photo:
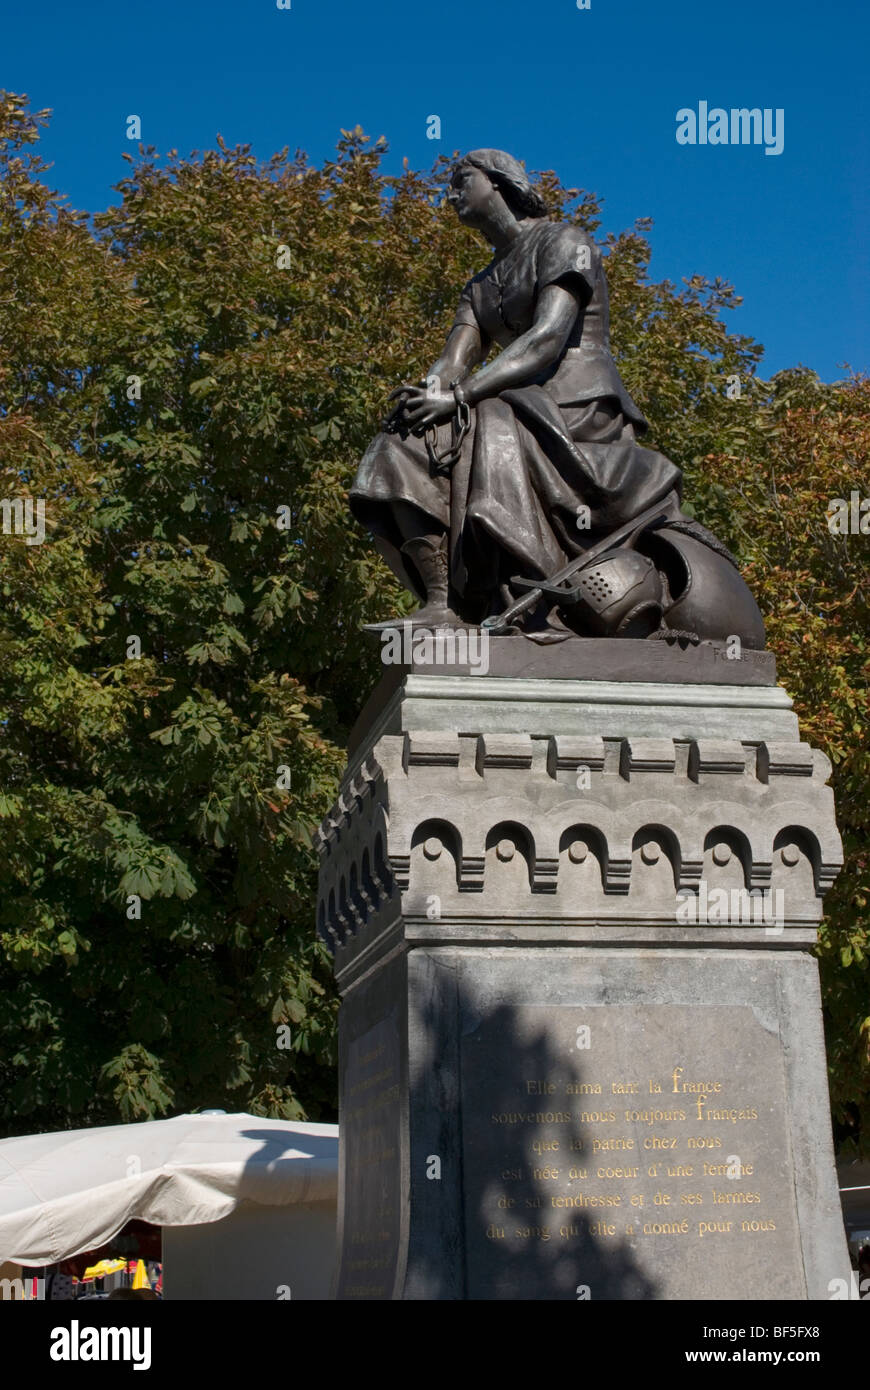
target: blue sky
<point>592,93</point>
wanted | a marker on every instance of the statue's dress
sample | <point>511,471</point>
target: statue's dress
<point>536,455</point>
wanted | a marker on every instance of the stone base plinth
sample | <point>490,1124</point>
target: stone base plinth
<point>581,1052</point>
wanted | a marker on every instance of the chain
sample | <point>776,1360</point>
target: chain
<point>460,424</point>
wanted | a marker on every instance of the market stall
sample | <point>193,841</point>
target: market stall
<point>246,1205</point>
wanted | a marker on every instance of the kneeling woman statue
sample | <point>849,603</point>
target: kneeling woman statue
<point>485,484</point>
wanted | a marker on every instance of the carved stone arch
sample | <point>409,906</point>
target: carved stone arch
<point>355,899</point>
<point>381,871</point>
<point>436,854</point>
<point>796,867</point>
<point>502,810</point>
<point>368,891</point>
<point>656,859</point>
<point>510,857</point>
<point>616,863</point>
<point>727,858</point>
<point>343,914</point>
<point>583,857</point>
<point>792,814</point>
<point>332,918</point>
<point>465,838</point>
<point>682,837</point>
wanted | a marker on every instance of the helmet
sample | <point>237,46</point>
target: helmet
<point>704,592</point>
<point>619,595</point>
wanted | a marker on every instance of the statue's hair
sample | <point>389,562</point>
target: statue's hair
<point>510,179</point>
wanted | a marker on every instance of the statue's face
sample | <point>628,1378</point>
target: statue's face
<point>471,194</point>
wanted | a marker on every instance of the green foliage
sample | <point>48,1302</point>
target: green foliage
<point>805,446</point>
<point>266,310</point>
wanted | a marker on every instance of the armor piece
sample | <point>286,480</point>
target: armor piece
<point>704,592</point>
<point>619,595</point>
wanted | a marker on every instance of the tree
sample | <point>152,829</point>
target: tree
<point>188,380</point>
<point>808,446</point>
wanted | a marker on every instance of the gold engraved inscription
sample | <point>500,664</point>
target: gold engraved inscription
<point>654,1135</point>
<point>629,1145</point>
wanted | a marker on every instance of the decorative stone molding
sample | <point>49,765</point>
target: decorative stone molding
<point>586,829</point>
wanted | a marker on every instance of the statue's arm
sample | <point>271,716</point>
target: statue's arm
<point>462,351</point>
<point>518,365</point>
<point>540,347</point>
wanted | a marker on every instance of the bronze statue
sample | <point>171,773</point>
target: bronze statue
<point>517,496</point>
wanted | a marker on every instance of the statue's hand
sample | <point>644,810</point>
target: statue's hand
<point>423,406</point>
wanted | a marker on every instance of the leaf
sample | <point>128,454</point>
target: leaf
<point>296,1011</point>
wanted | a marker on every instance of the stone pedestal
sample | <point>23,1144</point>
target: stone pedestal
<point>581,1050</point>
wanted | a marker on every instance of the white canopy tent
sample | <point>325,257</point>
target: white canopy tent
<point>71,1191</point>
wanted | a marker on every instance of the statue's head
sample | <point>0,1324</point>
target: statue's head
<point>481,176</point>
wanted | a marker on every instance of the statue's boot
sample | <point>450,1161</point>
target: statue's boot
<point>428,555</point>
